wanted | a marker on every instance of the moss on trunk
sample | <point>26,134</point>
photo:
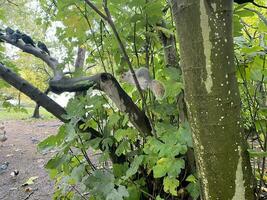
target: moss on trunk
<point>205,34</point>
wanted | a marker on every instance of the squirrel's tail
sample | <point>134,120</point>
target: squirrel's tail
<point>157,88</point>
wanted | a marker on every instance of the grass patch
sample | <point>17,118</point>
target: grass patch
<point>8,115</point>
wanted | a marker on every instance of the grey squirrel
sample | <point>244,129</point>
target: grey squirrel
<point>145,81</point>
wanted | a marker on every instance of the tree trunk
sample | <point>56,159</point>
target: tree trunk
<point>80,57</point>
<point>19,100</point>
<point>79,64</point>
<point>207,59</point>
<point>36,112</point>
<point>169,46</point>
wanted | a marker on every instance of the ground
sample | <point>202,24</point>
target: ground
<point>21,153</point>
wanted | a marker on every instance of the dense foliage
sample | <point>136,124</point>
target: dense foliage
<point>122,163</point>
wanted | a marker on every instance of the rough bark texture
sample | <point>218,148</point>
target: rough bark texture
<point>205,34</point>
<point>169,44</point>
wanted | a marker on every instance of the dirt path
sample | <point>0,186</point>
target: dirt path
<point>21,153</point>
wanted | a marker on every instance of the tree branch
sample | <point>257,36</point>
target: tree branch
<point>34,93</point>
<point>104,81</point>
<point>108,84</point>
<point>108,18</point>
<point>50,61</point>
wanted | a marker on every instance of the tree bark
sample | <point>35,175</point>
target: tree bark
<point>79,64</point>
<point>207,59</point>
<point>36,112</point>
<point>80,58</point>
<point>169,47</point>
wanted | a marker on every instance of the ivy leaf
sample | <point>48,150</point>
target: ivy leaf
<point>176,166</point>
<point>134,192</point>
<point>114,119</point>
<point>170,185</point>
<point>57,161</point>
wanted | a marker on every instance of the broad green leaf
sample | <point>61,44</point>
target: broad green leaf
<point>129,133</point>
<point>119,170</point>
<point>191,178</point>
<point>194,190</point>
<point>170,185</point>
<point>134,166</point>
<point>78,172</point>
<point>122,148</point>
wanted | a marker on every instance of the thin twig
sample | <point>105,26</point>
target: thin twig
<point>109,20</point>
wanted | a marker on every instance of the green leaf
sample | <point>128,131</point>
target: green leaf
<point>249,50</point>
<point>253,153</point>
<point>53,140</point>
<point>162,167</point>
<point>191,178</point>
<point>56,161</point>
<point>194,190</point>
<point>107,142</point>
<point>159,198</point>
<point>119,170</point>
<point>170,185</point>
<point>118,194</point>
<point>122,148</point>
<point>134,166</point>
<point>78,172</point>
<point>30,181</point>
<point>113,119</point>
<point>129,133</point>
<point>176,166</point>
<point>134,192</point>
<point>184,135</point>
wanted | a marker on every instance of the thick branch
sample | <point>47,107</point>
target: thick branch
<point>108,19</point>
<point>34,93</point>
<point>39,97</point>
<point>108,84</point>
<point>50,61</point>
<point>43,100</point>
